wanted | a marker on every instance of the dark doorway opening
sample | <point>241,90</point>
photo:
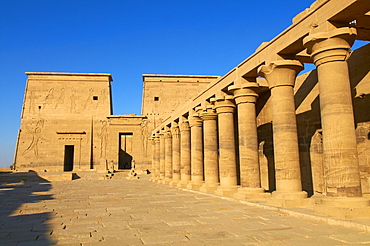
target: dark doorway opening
<point>68,157</point>
<point>125,150</point>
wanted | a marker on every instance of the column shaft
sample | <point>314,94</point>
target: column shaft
<point>184,154</point>
<point>168,157</point>
<point>211,172</point>
<point>176,166</point>
<point>281,76</point>
<point>196,132</point>
<point>226,135</point>
<point>161,157</point>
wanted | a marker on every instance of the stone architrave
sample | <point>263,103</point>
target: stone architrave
<point>245,96</point>
<point>196,132</point>
<point>175,154</point>
<point>280,76</point>
<point>225,107</point>
<point>211,174</point>
<point>184,153</point>
<point>161,157</point>
<point>330,51</point>
<point>168,157</point>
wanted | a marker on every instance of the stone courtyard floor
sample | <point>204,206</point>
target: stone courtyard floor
<point>34,211</point>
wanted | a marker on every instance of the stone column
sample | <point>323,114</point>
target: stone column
<point>184,154</point>
<point>196,132</point>
<point>175,154</point>
<point>211,177</point>
<point>330,51</point>
<point>281,76</point>
<point>245,97</point>
<point>161,157</point>
<point>168,157</point>
<point>225,107</point>
<point>154,164</point>
<point>157,158</point>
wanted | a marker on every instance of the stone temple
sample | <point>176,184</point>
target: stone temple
<point>262,131</point>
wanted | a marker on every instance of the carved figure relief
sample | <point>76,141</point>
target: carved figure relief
<point>60,99</point>
<point>103,139</point>
<point>73,107</point>
<point>263,163</point>
<point>145,134</point>
<point>102,98</point>
<point>49,97</point>
<point>88,99</point>
<point>32,98</point>
<point>317,164</point>
<point>36,137</point>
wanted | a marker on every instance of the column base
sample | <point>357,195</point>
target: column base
<point>166,181</point>
<point>251,193</point>
<point>288,199</point>
<point>174,182</point>
<point>343,207</point>
<point>209,187</point>
<point>194,185</point>
<point>226,191</point>
<point>183,183</point>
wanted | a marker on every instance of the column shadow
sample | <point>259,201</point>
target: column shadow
<point>19,220</point>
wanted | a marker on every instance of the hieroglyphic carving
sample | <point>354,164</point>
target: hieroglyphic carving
<point>36,137</point>
<point>103,139</point>
<point>60,99</point>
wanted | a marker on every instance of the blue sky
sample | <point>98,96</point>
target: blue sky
<point>127,38</point>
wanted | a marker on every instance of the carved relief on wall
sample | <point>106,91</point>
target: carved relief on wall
<point>32,98</point>
<point>362,137</point>
<point>49,97</point>
<point>103,136</point>
<point>36,138</point>
<point>61,97</point>
<point>73,107</point>
<point>317,163</point>
<point>88,99</point>
<point>102,98</point>
<point>264,169</point>
<point>145,135</point>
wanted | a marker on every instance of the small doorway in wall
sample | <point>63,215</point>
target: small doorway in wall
<point>125,150</point>
<point>68,157</point>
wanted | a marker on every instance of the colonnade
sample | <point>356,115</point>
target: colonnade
<point>209,152</point>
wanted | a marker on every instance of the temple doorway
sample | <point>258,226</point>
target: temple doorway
<point>68,157</point>
<point>125,150</point>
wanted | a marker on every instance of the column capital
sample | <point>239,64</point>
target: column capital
<point>280,72</point>
<point>195,121</point>
<point>168,134</point>
<point>330,46</point>
<point>224,104</point>
<point>184,126</point>
<point>208,114</point>
<point>244,93</point>
<point>175,129</point>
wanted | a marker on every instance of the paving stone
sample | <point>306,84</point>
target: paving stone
<point>155,214</point>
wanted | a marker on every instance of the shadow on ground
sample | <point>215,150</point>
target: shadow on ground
<point>21,223</point>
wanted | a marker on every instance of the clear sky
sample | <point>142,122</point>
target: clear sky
<point>127,38</point>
